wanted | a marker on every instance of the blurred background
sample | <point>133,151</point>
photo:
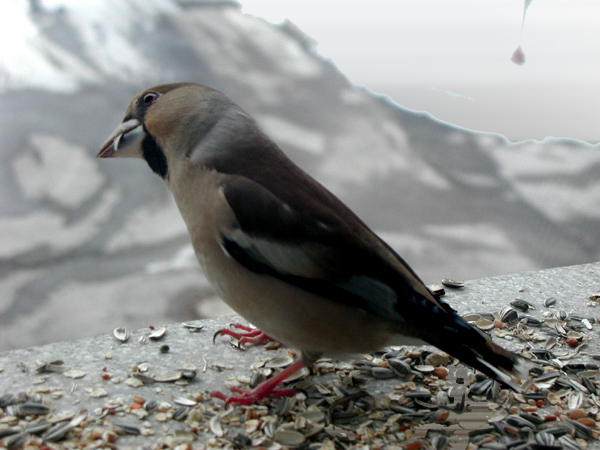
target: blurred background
<point>469,159</point>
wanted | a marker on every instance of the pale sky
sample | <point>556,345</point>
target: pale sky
<point>422,52</point>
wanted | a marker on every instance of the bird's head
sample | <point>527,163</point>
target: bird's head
<point>168,122</point>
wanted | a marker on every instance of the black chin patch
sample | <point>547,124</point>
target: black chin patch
<point>154,156</point>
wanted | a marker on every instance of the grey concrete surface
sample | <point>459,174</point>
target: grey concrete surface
<point>100,378</point>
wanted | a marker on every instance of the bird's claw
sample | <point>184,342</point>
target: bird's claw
<point>248,336</point>
<point>250,396</point>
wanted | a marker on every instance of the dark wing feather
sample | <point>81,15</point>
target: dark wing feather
<point>318,253</point>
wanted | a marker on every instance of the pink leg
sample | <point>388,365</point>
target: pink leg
<point>265,389</point>
<point>249,336</point>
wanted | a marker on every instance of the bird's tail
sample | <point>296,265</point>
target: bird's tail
<point>477,350</point>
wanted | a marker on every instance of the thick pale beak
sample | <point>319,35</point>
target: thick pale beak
<point>126,134</point>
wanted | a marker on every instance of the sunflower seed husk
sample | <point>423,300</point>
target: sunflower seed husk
<point>184,401</point>
<point>192,327</point>
<point>518,421</point>
<point>57,432</point>
<point>128,429</point>
<point>289,438</point>
<point>188,374</point>
<point>121,334</point>
<point>168,378</point>
<point>215,425</point>
<point>279,362</point>
<point>157,333</point>
<point>51,367</point>
<point>453,283</point>
<point>79,418</point>
<point>424,368</point>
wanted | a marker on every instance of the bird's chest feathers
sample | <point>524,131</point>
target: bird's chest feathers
<point>206,214</point>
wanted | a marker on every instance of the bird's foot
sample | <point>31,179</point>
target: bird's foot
<point>263,390</point>
<point>250,396</point>
<point>249,335</point>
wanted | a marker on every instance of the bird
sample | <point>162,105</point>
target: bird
<point>282,250</point>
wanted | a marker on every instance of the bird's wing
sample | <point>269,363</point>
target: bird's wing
<point>314,249</point>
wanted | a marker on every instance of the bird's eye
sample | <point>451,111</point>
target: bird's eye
<point>149,98</point>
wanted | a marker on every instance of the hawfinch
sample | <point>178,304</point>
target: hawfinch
<point>282,250</point>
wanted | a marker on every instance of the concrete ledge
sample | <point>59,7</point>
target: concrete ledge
<point>101,381</point>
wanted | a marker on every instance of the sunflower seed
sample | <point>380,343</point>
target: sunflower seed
<point>399,366</point>
<point>562,315</point>
<point>127,429</point>
<point>521,305</point>
<point>545,438</point>
<point>549,302</point>
<point>150,405</point>
<point>16,441</point>
<point>531,321</point>
<point>5,432</point>
<point>581,430</point>
<point>8,399</point>
<point>242,441</point>
<point>557,428</point>
<point>439,442</point>
<point>509,315</point>
<point>30,409</point>
<point>180,413</point>
<point>589,385</point>
<point>121,334</point>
